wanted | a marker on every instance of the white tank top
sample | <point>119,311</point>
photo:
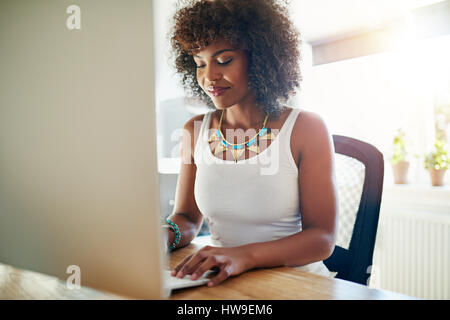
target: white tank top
<point>253,200</point>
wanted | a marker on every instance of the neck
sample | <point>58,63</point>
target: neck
<point>244,115</point>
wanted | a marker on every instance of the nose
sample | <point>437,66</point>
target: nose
<point>212,74</point>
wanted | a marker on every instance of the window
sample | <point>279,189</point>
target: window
<point>370,97</point>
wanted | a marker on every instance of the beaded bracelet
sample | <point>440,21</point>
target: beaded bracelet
<point>176,230</point>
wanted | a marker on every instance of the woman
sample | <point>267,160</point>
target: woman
<point>261,173</point>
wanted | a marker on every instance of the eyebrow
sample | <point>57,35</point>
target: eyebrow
<point>217,53</point>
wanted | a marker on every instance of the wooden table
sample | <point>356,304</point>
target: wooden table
<point>278,284</point>
<point>264,284</point>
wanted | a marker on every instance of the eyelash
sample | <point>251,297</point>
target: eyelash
<point>222,64</point>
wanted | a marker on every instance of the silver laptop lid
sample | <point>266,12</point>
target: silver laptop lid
<point>78,165</point>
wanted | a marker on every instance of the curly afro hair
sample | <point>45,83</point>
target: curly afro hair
<point>260,27</point>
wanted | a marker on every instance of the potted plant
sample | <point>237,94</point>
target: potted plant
<point>400,164</point>
<point>437,162</point>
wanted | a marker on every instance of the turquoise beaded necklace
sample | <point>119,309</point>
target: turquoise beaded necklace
<point>238,150</point>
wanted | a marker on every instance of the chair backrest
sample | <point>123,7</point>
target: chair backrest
<point>359,176</point>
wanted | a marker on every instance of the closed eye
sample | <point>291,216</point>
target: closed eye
<point>220,63</point>
<point>225,63</point>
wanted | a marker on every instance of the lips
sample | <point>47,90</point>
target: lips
<point>217,91</point>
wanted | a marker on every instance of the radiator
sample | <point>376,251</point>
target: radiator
<point>412,251</point>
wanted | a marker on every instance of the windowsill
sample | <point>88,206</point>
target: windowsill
<point>417,197</point>
<point>423,187</point>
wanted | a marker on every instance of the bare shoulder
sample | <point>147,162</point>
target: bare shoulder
<point>311,122</point>
<point>310,132</point>
<point>194,122</point>
<point>191,131</point>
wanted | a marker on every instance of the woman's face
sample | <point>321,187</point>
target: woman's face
<point>222,72</point>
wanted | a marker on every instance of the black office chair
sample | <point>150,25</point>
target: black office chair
<point>359,175</point>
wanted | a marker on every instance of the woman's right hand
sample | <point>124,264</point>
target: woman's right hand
<point>228,261</point>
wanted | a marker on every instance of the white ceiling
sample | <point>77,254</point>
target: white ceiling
<point>327,20</point>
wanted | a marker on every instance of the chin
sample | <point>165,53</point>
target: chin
<point>221,106</point>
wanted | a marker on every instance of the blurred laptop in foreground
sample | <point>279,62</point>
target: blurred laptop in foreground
<point>79,184</point>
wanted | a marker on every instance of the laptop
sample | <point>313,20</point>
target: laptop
<point>79,184</point>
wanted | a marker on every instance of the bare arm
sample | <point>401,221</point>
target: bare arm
<point>186,213</point>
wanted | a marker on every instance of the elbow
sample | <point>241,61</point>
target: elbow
<point>328,245</point>
<point>329,251</point>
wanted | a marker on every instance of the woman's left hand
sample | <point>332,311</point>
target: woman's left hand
<point>228,261</point>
